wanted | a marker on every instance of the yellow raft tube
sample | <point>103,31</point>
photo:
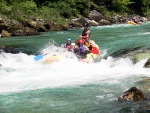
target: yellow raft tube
<point>131,22</point>
<point>90,57</point>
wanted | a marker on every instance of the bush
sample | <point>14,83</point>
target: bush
<point>27,7</point>
<point>4,8</point>
<point>59,10</point>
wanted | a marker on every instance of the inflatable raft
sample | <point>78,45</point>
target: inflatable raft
<point>91,56</point>
<point>131,22</point>
<point>52,58</point>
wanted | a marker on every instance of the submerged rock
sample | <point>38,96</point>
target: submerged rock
<point>135,54</point>
<point>133,94</point>
<point>147,64</point>
<point>144,109</point>
<point>144,84</point>
<point>10,50</point>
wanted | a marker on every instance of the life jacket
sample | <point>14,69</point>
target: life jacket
<point>68,46</point>
<point>87,44</point>
<point>94,50</point>
<point>82,49</point>
<point>79,41</point>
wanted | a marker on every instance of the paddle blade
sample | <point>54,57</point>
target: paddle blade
<point>38,57</point>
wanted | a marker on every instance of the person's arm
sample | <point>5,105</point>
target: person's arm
<point>87,34</point>
<point>86,48</point>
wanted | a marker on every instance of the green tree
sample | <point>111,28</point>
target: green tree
<point>4,8</point>
<point>141,7</point>
<point>26,7</point>
<point>121,5</point>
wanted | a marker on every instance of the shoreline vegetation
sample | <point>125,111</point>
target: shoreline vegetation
<point>30,17</point>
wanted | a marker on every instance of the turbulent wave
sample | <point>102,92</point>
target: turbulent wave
<point>113,26</point>
<point>20,72</point>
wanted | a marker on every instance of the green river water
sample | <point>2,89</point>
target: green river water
<point>69,86</point>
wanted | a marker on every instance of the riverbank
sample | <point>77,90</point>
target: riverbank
<point>33,26</point>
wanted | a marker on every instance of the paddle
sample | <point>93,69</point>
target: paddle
<point>40,56</point>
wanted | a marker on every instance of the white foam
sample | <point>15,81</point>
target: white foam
<point>146,33</point>
<point>20,72</point>
<point>112,26</point>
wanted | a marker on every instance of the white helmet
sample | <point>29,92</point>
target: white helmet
<point>73,44</point>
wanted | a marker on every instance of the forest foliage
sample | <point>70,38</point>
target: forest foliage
<point>59,10</point>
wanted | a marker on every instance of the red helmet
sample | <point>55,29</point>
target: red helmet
<point>80,41</point>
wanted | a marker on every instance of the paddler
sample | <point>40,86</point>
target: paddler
<point>68,44</point>
<point>85,33</point>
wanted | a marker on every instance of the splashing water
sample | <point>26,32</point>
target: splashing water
<point>20,72</point>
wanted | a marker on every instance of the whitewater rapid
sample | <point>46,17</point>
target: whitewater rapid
<point>20,72</point>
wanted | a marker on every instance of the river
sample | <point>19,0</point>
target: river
<point>69,86</point>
